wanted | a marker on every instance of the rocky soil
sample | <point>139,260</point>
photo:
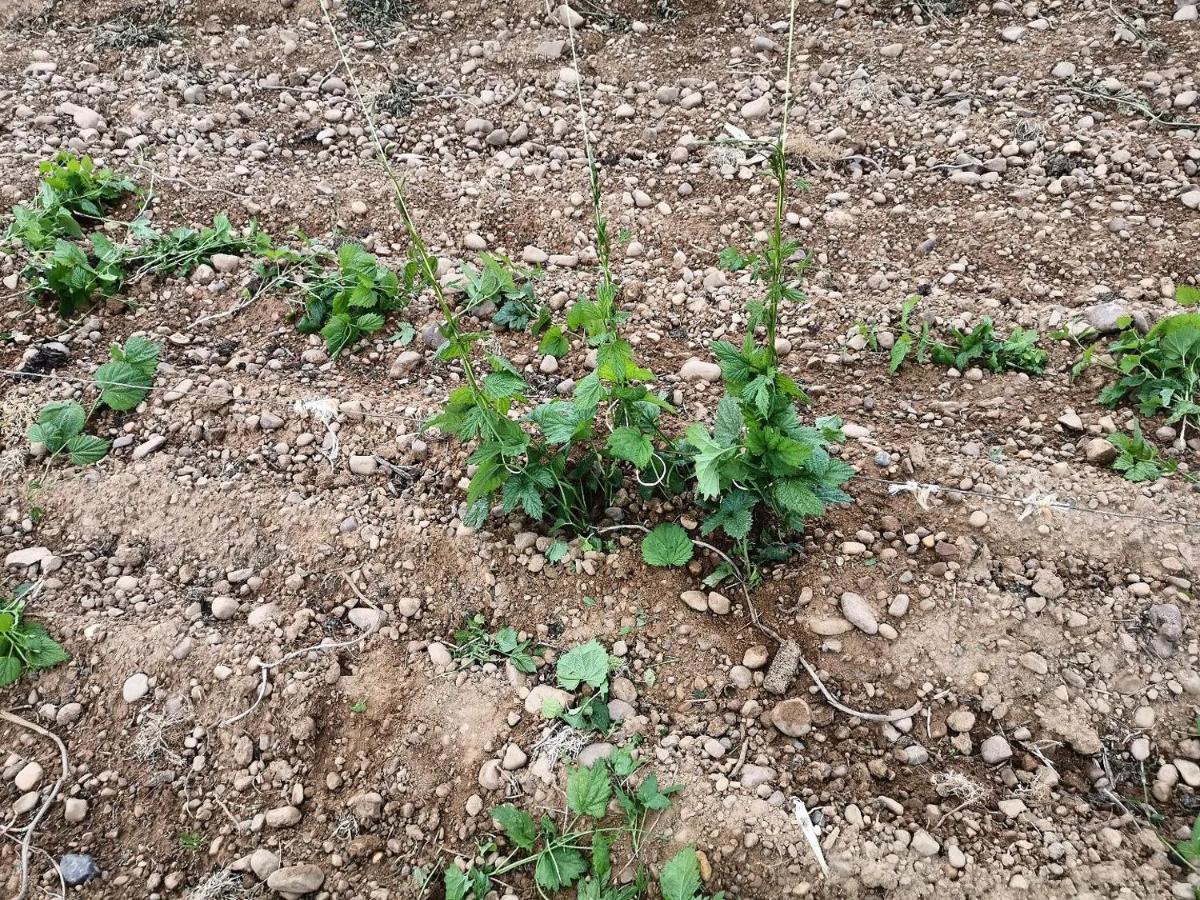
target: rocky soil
<point>266,499</point>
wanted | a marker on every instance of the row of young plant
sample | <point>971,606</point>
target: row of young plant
<point>1158,372</point>
<point>608,805</point>
<point>347,293</point>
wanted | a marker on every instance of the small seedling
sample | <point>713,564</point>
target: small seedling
<point>351,301</point>
<point>359,706</point>
<point>1160,371</point>
<point>25,646</point>
<point>1138,459</point>
<point>474,643</point>
<point>961,350</point>
<point>191,840</point>
<point>181,250</point>
<point>509,289</point>
<point>123,383</point>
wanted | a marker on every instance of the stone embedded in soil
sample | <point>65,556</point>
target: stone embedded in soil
<point>783,668</point>
<point>699,370</point>
<point>858,613</point>
<point>792,717</point>
<point>136,687</point>
<point>28,777</point>
<point>995,749</point>
<point>439,655</point>
<point>29,556</point>
<point>78,868</point>
<point>1099,452</point>
<point>263,862</point>
<point>537,697</point>
<point>696,600</point>
<point>301,879</point>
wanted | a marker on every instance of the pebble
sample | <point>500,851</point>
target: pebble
<point>858,613</point>
<point>995,749</point>
<point>301,879</point>
<point>136,687</point>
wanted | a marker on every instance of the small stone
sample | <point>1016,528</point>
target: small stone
<point>263,862</point>
<point>1063,70</point>
<point>224,608</point>
<point>925,844</point>
<point>439,655</point>
<point>961,720</point>
<point>792,717</point>
<point>536,700</point>
<point>363,465</point>
<point>859,613</point>
<point>30,556</point>
<point>514,758</point>
<point>29,776</point>
<point>757,108</point>
<point>718,603</point>
<point>136,687</point>
<point>303,879</point>
<point>77,869</point>
<point>696,600</point>
<point>1100,452</point>
<point>283,817</point>
<point>995,750</point>
<point>699,370</point>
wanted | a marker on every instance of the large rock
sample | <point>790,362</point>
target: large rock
<point>303,879</point>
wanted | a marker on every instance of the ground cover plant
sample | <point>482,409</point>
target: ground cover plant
<point>25,645</point>
<point>981,346</point>
<point>121,384</point>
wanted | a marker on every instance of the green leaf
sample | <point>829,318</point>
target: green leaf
<point>66,417</point>
<point>338,333</point>
<point>554,343</point>
<point>667,545</point>
<point>900,351</point>
<point>517,824</point>
<point>41,650</point>
<point>1187,295</point>
<point>456,883</point>
<point>727,429</point>
<point>10,670</point>
<point>369,322</point>
<point>122,387</point>
<point>85,449</point>
<point>504,385</point>
<point>680,878</point>
<point>649,795</point>
<point>734,516</point>
<point>140,353</point>
<point>631,445</point>
<point>602,856</point>
<point>588,790</point>
<point>797,497</point>
<point>558,867</point>
<point>585,664</point>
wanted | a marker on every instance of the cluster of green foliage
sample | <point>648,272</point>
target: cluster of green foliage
<point>1159,371</point>
<point>347,295</point>
<point>760,472</point>
<point>584,670</point>
<point>562,461</point>
<point>509,289</point>
<point>1138,459</point>
<point>475,643</point>
<point>960,350</point>
<point>579,853</point>
<point>122,384</point>
<point>353,300</point>
<point>24,645</point>
<point>181,250</point>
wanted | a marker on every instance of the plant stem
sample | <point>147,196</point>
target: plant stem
<point>779,167</point>
<point>428,264</point>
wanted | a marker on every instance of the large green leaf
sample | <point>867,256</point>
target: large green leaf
<point>680,878</point>
<point>517,824</point>
<point>85,449</point>
<point>630,444</point>
<point>667,545</point>
<point>588,790</point>
<point>585,664</point>
<point>122,387</point>
<point>558,867</point>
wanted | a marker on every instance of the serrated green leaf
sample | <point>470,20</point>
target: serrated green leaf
<point>66,417</point>
<point>517,824</point>
<point>558,867</point>
<point>680,878</point>
<point>631,445</point>
<point>729,422</point>
<point>122,387</point>
<point>1187,295</point>
<point>585,664</point>
<point>588,790</point>
<point>85,449</point>
<point>667,545</point>
<point>554,343</point>
<point>10,670</point>
<point>456,883</point>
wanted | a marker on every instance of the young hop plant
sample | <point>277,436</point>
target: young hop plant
<point>760,472</point>
<point>509,289</point>
<point>123,383</point>
<point>563,460</point>
<point>960,350</point>
<point>25,646</point>
<point>1159,371</point>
